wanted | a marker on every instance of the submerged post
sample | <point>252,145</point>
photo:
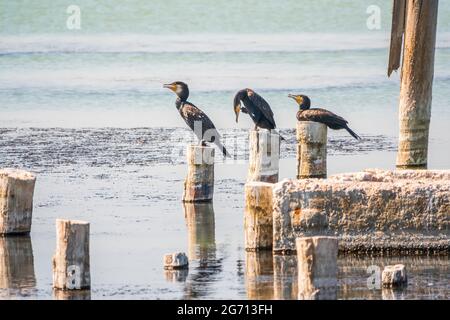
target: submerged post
<point>416,83</point>
<point>16,201</point>
<point>258,223</point>
<point>199,183</point>
<point>311,150</point>
<point>71,265</point>
<point>264,156</point>
<point>317,268</point>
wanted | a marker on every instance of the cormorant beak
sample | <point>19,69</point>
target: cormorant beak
<point>237,109</point>
<point>171,86</point>
<point>298,99</point>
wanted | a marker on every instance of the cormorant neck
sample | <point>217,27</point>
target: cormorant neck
<point>304,106</point>
<point>179,103</point>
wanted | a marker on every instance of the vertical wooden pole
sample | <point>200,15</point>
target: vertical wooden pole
<point>264,156</point>
<point>311,150</point>
<point>317,268</point>
<point>16,201</point>
<point>258,221</point>
<point>416,83</point>
<point>199,183</point>
<point>71,265</point>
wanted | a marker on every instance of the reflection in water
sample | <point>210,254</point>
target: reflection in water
<point>201,249</point>
<point>176,275</point>
<point>71,294</point>
<point>285,277</point>
<point>428,277</point>
<point>259,274</point>
<point>201,231</point>
<point>17,278</point>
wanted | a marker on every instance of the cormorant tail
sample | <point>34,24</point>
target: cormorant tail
<point>354,135</point>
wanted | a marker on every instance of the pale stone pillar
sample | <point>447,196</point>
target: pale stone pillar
<point>71,262</point>
<point>311,150</point>
<point>199,183</point>
<point>16,201</point>
<point>264,156</point>
<point>258,225</point>
<point>317,268</point>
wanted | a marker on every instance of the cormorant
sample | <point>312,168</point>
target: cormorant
<point>257,108</point>
<point>195,118</point>
<point>326,117</point>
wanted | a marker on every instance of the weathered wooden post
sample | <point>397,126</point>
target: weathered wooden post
<point>199,183</point>
<point>311,150</point>
<point>317,268</point>
<point>285,280</point>
<point>71,265</point>
<point>16,264</point>
<point>258,275</point>
<point>16,201</point>
<point>201,230</point>
<point>258,223</point>
<point>264,156</point>
<point>417,82</point>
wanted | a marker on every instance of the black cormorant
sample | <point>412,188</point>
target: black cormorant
<point>257,108</point>
<point>326,117</point>
<point>195,118</point>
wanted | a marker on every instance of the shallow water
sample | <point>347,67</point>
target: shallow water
<point>86,111</point>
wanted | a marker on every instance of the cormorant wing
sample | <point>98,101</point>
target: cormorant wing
<point>324,116</point>
<point>190,113</point>
<point>262,105</point>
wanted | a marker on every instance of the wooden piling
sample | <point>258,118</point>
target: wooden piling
<point>71,265</point>
<point>264,156</point>
<point>416,83</point>
<point>199,183</point>
<point>317,268</point>
<point>16,201</point>
<point>258,223</point>
<point>311,150</point>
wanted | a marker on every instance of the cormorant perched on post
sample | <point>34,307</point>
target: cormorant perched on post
<point>326,117</point>
<point>195,118</point>
<point>257,108</point>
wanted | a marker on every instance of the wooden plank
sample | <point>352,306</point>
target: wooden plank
<point>398,28</point>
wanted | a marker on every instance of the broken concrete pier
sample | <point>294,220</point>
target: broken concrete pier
<point>373,211</point>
